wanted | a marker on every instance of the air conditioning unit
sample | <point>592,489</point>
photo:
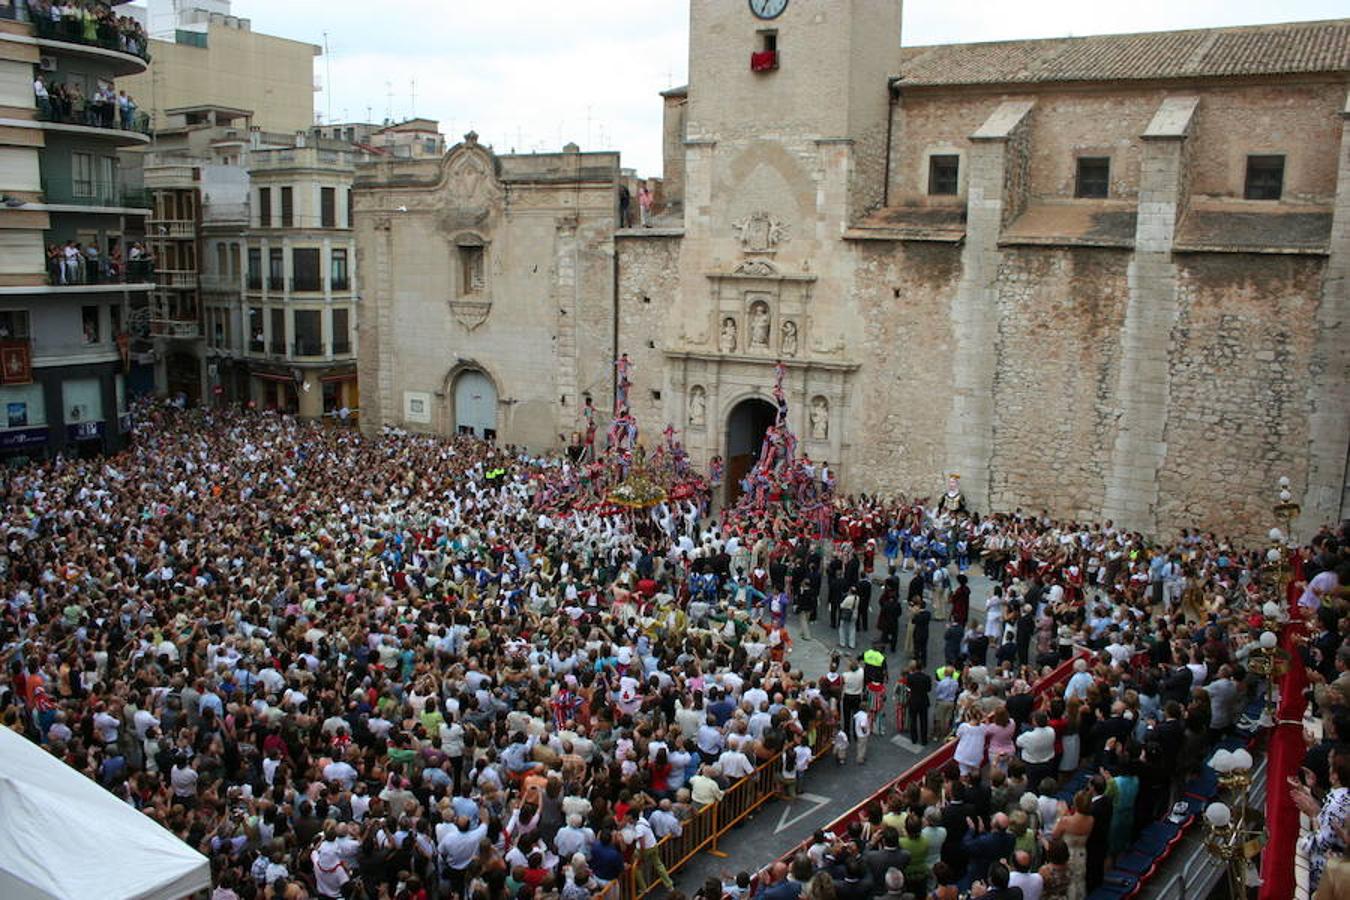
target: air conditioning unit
<point>47,63</point>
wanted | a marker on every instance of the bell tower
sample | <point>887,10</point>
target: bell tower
<point>785,145</point>
<point>796,77</point>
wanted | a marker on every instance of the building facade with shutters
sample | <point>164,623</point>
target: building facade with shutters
<point>70,288</point>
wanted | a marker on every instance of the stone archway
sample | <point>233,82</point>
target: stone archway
<point>746,425</point>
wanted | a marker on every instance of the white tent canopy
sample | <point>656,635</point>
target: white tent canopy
<point>63,836</point>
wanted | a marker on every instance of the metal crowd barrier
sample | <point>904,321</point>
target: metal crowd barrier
<point>933,761</point>
<point>701,832</point>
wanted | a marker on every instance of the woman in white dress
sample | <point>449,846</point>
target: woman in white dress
<point>993,614</point>
<point>970,739</point>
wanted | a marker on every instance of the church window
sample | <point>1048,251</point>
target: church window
<point>1265,177</point>
<point>473,276</point>
<point>1094,177</point>
<point>943,172</point>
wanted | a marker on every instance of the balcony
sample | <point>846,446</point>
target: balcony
<point>307,348</point>
<point>342,348</point>
<point>108,195</point>
<point>306,286</point>
<point>341,284</point>
<point>277,348</point>
<point>91,122</point>
<point>92,115</point>
<point>276,283</point>
<point>175,328</point>
<point>176,278</point>
<point>106,37</point>
<point>254,282</point>
<point>83,271</point>
<point>174,228</point>
<point>256,346</point>
<point>300,157</point>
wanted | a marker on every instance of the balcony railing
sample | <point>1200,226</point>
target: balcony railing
<point>278,348</point>
<point>93,193</point>
<point>175,328</point>
<point>276,283</point>
<point>75,30</point>
<point>341,284</point>
<point>254,282</point>
<point>302,285</point>
<point>307,348</point>
<point>342,348</point>
<point>82,270</point>
<point>92,115</point>
<point>178,278</point>
<point>255,346</point>
<point>173,228</point>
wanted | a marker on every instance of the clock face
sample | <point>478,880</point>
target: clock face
<point>768,9</point>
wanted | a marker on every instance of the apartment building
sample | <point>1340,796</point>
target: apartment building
<point>74,279</point>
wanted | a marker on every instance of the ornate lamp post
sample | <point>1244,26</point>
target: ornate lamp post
<point>1234,833</point>
<point>1268,661</point>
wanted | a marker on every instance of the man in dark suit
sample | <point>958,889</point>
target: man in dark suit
<point>887,856</point>
<point>1101,830</point>
<point>1170,734</point>
<point>986,847</point>
<point>1026,629</point>
<point>920,685</point>
<point>919,618</point>
<point>997,887</point>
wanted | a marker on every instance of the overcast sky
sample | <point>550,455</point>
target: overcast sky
<point>534,74</point>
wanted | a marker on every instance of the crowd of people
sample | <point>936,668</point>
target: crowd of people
<point>403,666</point>
<point>77,263</point>
<point>88,22</point>
<point>66,102</point>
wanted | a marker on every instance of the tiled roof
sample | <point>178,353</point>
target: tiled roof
<point>1297,47</point>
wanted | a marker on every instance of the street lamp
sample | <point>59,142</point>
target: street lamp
<point>1269,662</point>
<point>1233,839</point>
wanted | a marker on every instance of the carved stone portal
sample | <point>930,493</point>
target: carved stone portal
<point>760,232</point>
<point>759,324</point>
<point>470,313</point>
<point>758,267</point>
<point>789,343</point>
<point>820,419</point>
<point>727,340</point>
<point>698,406</point>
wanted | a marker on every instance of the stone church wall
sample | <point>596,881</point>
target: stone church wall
<point>903,294</point>
<point>1240,379</point>
<point>648,292</point>
<point>1058,352</point>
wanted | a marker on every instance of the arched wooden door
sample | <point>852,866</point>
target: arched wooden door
<point>475,405</point>
<point>746,425</point>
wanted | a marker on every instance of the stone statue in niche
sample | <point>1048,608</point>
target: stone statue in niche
<point>789,343</point>
<point>727,340</point>
<point>698,407</point>
<point>820,419</point>
<point>759,324</point>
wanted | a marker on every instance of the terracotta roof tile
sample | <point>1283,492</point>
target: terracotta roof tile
<point>1298,47</point>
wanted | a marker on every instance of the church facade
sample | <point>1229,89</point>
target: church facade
<point>1098,276</point>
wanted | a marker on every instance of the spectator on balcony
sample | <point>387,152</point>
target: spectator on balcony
<point>116,265</point>
<point>56,269</point>
<point>44,100</point>
<point>127,107</point>
<point>93,265</point>
<point>71,259</point>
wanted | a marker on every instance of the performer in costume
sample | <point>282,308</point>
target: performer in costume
<point>953,501</point>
